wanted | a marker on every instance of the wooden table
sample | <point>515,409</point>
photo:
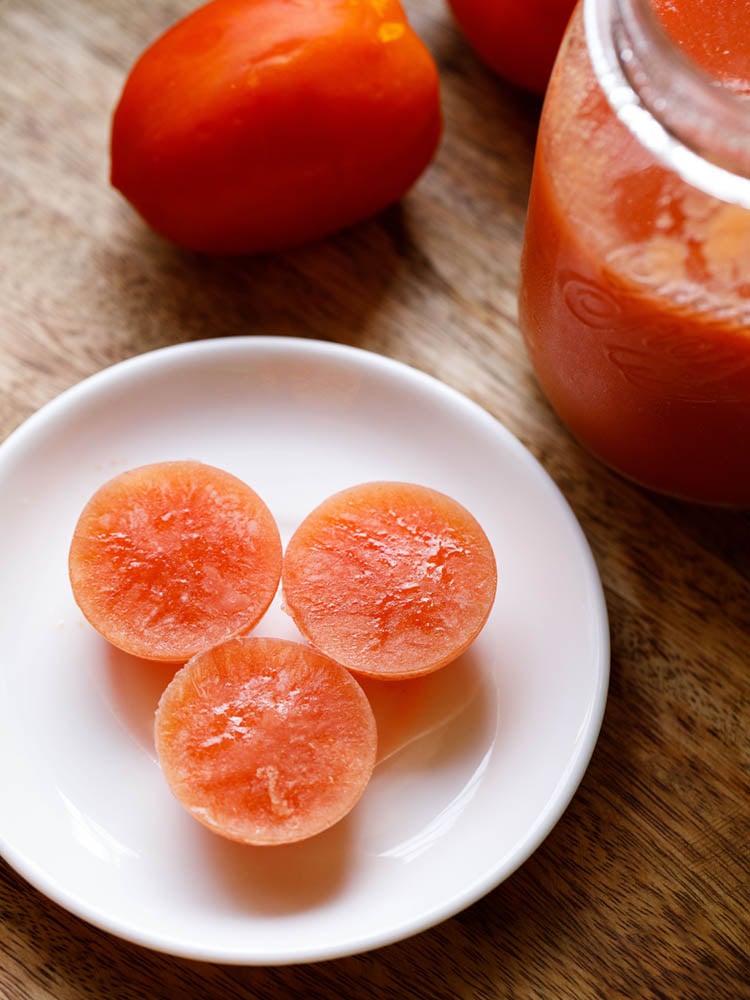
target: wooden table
<point>641,890</point>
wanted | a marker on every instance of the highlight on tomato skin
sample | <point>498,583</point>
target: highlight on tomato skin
<point>265,741</point>
<point>170,557</point>
<point>393,580</point>
<point>517,39</point>
<point>256,125</point>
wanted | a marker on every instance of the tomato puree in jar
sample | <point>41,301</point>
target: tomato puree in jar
<point>715,34</point>
<point>635,289</point>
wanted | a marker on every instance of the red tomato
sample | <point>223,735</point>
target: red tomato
<point>255,125</point>
<point>518,39</point>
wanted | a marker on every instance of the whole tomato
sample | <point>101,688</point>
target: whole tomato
<point>518,39</point>
<point>256,125</point>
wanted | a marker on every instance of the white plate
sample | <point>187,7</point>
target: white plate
<point>478,761</point>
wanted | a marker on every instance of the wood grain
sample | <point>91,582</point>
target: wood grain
<point>642,889</point>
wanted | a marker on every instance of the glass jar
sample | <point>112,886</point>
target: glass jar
<point>634,299</point>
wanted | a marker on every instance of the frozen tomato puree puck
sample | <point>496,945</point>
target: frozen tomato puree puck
<point>265,741</point>
<point>391,579</point>
<point>172,557</point>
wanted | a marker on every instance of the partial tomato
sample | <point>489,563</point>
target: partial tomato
<point>255,125</point>
<point>518,39</point>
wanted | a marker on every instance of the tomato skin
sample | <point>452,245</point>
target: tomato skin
<point>518,39</point>
<point>256,125</point>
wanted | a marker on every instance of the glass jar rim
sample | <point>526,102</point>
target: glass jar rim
<point>675,109</point>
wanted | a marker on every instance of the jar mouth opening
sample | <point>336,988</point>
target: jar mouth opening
<point>698,127</point>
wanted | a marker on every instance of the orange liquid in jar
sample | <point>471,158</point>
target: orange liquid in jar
<point>635,289</point>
